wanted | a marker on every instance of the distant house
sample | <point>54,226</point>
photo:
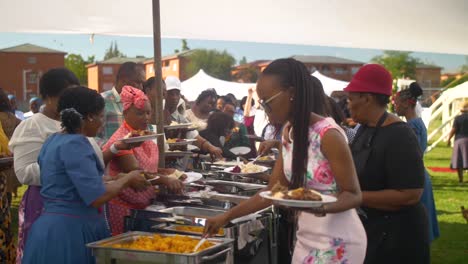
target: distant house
<point>428,76</point>
<point>242,73</point>
<point>171,65</point>
<point>102,74</point>
<point>22,66</point>
<point>333,67</point>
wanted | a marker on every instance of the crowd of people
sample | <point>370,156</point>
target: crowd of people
<point>69,151</point>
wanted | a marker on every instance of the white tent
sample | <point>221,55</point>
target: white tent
<point>329,84</point>
<point>418,25</point>
<point>201,81</point>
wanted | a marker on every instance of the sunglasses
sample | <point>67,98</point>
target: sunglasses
<point>265,103</point>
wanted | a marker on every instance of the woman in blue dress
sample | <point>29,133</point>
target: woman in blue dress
<point>72,185</point>
<point>405,105</point>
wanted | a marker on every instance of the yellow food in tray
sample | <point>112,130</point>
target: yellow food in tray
<point>195,229</point>
<point>171,244</point>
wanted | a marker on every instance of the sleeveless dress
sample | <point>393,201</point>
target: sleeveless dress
<point>335,238</point>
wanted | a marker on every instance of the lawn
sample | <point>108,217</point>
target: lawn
<point>452,245</point>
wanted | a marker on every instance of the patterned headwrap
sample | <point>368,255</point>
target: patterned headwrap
<point>132,96</point>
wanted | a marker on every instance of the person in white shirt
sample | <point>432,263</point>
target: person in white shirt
<point>34,106</point>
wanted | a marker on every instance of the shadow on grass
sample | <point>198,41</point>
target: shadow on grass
<point>451,246</point>
<point>443,212</point>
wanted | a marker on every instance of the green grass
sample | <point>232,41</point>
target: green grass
<point>452,245</point>
<point>449,195</point>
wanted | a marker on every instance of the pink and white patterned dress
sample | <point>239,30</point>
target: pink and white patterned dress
<point>335,238</point>
<point>147,156</point>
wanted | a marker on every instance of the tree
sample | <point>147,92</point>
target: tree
<point>213,62</point>
<point>185,45</point>
<point>113,52</point>
<point>399,63</point>
<point>247,75</point>
<point>243,61</point>
<point>76,64</point>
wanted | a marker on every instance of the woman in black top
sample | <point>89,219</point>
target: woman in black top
<point>219,125</point>
<point>460,149</point>
<point>391,173</point>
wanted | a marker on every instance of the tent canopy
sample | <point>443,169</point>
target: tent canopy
<point>329,84</point>
<point>201,81</point>
<point>418,25</point>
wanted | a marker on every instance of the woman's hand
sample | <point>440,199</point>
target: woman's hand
<point>215,152</point>
<point>173,184</point>
<point>213,224</point>
<point>266,146</point>
<point>136,180</point>
<point>120,145</point>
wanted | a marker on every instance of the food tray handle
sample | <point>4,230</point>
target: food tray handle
<point>222,252</point>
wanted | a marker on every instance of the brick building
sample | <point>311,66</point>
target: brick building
<point>333,67</point>
<point>22,66</point>
<point>243,72</point>
<point>428,76</point>
<point>172,65</point>
<point>102,74</point>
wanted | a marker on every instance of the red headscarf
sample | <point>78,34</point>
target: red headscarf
<point>132,96</point>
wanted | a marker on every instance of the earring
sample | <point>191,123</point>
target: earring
<point>91,120</point>
<point>291,99</point>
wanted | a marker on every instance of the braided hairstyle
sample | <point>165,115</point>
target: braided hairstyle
<point>411,94</point>
<point>76,104</point>
<point>308,97</point>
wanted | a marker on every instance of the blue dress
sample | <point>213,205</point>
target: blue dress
<point>71,178</point>
<point>427,197</point>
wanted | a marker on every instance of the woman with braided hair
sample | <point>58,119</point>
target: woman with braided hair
<point>322,161</point>
<point>73,188</point>
<point>405,105</point>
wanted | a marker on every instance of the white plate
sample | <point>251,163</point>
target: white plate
<point>229,170</point>
<point>240,151</point>
<point>141,138</point>
<point>182,143</point>
<point>192,148</point>
<point>225,163</point>
<point>192,177</point>
<point>186,125</point>
<point>298,203</point>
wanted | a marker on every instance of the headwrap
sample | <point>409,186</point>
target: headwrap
<point>132,96</point>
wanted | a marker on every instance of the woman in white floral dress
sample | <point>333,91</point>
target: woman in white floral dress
<point>315,155</point>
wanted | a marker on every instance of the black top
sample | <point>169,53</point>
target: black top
<point>214,140</point>
<point>395,161</point>
<point>461,126</point>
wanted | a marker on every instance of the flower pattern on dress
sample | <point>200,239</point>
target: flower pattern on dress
<point>319,174</point>
<point>333,255</point>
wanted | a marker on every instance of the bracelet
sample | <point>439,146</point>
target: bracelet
<point>113,149</point>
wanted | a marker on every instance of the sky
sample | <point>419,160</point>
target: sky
<point>134,46</point>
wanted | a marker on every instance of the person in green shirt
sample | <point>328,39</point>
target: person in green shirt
<point>238,136</point>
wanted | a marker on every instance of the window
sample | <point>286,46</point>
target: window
<point>174,67</point>
<point>312,69</point>
<point>165,63</point>
<point>354,70</point>
<point>326,69</point>
<point>32,60</point>
<point>107,70</point>
<point>107,86</point>
<point>340,70</point>
<point>151,69</point>
<point>32,78</point>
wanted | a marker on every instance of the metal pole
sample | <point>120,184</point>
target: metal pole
<point>157,107</point>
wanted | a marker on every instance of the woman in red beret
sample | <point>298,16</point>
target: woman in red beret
<point>390,168</point>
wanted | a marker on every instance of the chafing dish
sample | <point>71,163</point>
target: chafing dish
<point>104,252</point>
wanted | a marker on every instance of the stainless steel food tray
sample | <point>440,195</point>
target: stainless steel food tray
<point>103,250</point>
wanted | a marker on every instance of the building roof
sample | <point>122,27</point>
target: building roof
<point>255,63</point>
<point>172,56</point>
<point>427,66</point>
<point>30,48</point>
<point>324,59</point>
<point>117,60</point>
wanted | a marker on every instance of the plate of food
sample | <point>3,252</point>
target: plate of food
<point>139,136</point>
<point>246,169</point>
<point>192,177</point>
<point>175,125</point>
<point>179,141</point>
<point>268,160</point>
<point>300,197</point>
